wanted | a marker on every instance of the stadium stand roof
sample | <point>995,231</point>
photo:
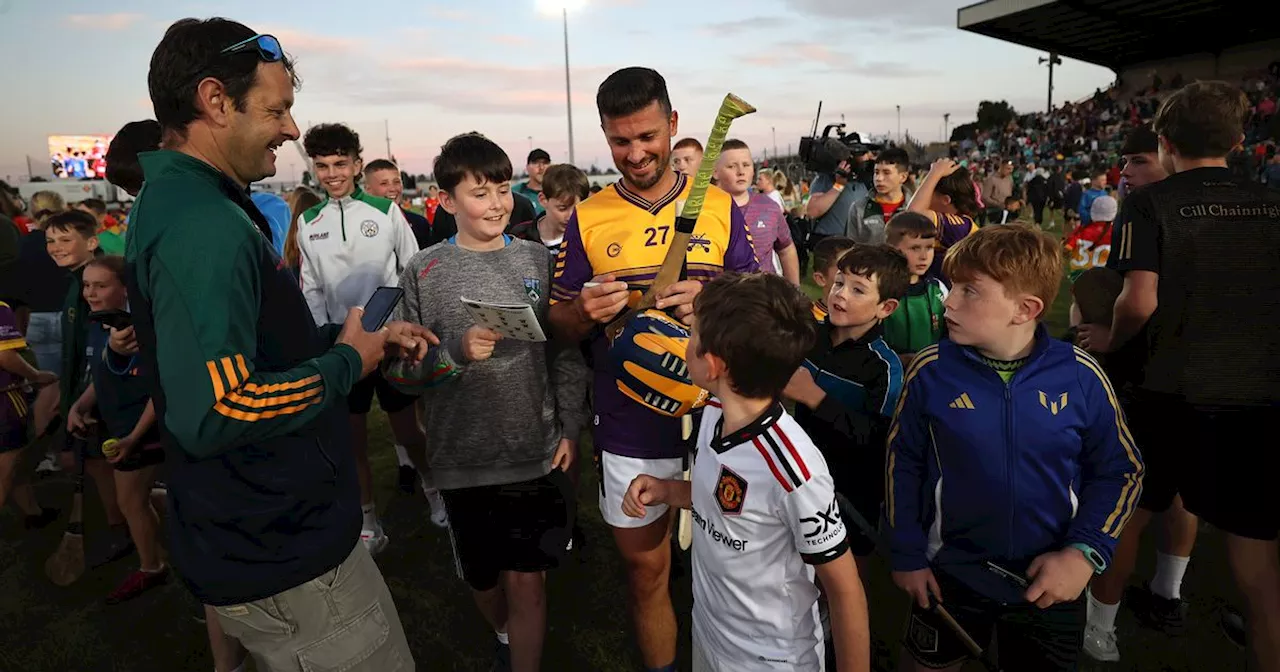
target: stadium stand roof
<point>1118,33</point>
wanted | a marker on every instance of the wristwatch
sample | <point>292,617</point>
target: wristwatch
<point>1094,557</point>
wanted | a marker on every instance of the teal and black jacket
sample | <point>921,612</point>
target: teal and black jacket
<point>248,390</point>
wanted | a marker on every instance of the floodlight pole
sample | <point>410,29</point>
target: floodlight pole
<point>1052,60</point>
<point>568,97</point>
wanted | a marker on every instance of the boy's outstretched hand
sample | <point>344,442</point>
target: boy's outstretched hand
<point>919,585</point>
<point>411,340</point>
<point>643,491</point>
<point>802,389</point>
<point>1058,577</point>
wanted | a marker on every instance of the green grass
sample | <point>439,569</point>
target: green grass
<point>49,629</point>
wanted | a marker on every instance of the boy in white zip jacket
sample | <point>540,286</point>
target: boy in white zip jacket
<point>351,244</point>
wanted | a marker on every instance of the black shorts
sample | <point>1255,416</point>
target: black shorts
<point>13,434</point>
<point>517,527</point>
<point>391,400</point>
<point>859,484</point>
<point>1230,466</point>
<point>1160,441</point>
<point>147,455</point>
<point>861,524</point>
<point>1031,638</point>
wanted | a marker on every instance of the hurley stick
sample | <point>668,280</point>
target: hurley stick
<point>732,108</point>
<point>67,563</point>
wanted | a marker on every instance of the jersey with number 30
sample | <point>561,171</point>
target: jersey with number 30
<point>764,511</point>
<point>617,231</point>
<point>1090,246</point>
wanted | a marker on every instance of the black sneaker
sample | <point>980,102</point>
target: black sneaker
<point>1232,623</point>
<point>577,541</point>
<point>408,479</point>
<point>1158,613</point>
<point>501,658</point>
<point>41,520</point>
<point>118,545</point>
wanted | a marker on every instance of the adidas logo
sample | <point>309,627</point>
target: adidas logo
<point>962,401</point>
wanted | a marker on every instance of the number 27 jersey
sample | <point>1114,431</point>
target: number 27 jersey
<point>617,231</point>
<point>764,512</point>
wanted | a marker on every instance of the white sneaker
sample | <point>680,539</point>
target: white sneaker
<point>48,465</point>
<point>1100,644</point>
<point>439,517</point>
<point>374,540</point>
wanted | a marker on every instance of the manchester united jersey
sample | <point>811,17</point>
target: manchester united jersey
<point>764,512</point>
<point>617,231</point>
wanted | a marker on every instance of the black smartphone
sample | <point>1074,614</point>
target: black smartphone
<point>1008,574</point>
<point>380,306</point>
<point>115,318</point>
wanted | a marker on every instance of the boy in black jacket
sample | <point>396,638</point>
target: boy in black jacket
<point>848,386</point>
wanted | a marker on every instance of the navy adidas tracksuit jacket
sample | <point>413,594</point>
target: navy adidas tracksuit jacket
<point>980,470</point>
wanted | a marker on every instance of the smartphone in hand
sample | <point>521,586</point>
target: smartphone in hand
<point>115,318</point>
<point>380,307</point>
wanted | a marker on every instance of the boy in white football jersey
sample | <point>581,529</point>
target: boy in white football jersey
<point>762,499</point>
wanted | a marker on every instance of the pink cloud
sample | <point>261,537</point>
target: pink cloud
<point>116,21</point>
<point>296,41</point>
<point>448,14</point>
<point>820,54</point>
<point>512,40</point>
<point>479,74</point>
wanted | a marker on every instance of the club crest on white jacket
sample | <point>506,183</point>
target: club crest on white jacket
<point>351,246</point>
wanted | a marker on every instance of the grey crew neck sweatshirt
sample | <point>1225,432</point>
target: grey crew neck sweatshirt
<point>494,421</point>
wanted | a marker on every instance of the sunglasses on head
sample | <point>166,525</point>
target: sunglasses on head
<point>267,46</point>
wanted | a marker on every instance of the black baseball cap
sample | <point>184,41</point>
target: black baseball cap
<point>538,155</point>
<point>1141,140</point>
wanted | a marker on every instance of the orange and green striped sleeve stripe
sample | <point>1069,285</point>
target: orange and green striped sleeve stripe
<point>238,399</point>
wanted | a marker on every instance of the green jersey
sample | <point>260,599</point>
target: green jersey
<point>918,321</point>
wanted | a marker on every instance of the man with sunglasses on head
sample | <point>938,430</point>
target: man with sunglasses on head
<point>251,393</point>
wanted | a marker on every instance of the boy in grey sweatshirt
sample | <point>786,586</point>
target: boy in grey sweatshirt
<point>502,425</point>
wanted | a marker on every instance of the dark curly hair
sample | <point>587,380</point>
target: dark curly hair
<point>332,140</point>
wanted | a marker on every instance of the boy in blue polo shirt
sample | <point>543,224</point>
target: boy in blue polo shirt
<point>1011,471</point>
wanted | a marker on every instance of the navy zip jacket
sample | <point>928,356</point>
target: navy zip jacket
<point>980,470</point>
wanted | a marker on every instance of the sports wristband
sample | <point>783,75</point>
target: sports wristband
<point>1094,557</point>
<point>838,187</point>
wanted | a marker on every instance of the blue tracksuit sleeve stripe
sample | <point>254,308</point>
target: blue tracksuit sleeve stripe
<point>1111,466</point>
<point>907,470</point>
<point>893,379</point>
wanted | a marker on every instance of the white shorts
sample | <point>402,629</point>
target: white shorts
<point>616,474</point>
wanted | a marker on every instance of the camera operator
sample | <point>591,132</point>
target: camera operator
<point>833,196</point>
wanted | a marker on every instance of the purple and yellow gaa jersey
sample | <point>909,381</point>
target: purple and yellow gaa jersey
<point>819,311</point>
<point>617,231</point>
